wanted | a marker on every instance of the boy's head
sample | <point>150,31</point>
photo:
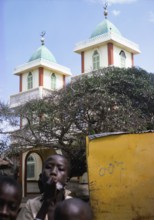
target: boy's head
<point>73,209</point>
<point>10,198</point>
<point>56,166</point>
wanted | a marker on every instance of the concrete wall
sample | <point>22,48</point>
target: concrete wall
<point>117,60</point>
<point>88,58</point>
<point>47,79</point>
<point>103,52</point>
<point>121,177</point>
<point>35,80</point>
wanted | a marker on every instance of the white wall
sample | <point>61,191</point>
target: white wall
<point>35,79</point>
<point>117,63</point>
<point>47,79</point>
<point>103,51</point>
<point>88,58</point>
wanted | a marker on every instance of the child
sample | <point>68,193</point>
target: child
<point>10,198</point>
<point>73,209</point>
<point>54,177</point>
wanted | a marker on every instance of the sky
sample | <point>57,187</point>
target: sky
<point>67,22</point>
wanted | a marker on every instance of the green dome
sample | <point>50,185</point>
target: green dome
<point>104,27</point>
<point>42,53</point>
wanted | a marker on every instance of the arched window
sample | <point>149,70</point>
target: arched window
<point>53,81</point>
<point>30,81</point>
<point>30,167</point>
<point>122,58</point>
<point>96,60</point>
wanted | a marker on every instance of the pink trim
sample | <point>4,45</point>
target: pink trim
<point>82,62</point>
<point>132,55</point>
<point>64,81</point>
<point>110,54</point>
<point>40,76</point>
<point>20,83</point>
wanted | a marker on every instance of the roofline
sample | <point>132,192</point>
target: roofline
<point>105,134</point>
<point>105,38</point>
<point>42,63</point>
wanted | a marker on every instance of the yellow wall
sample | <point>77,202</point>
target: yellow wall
<point>121,176</point>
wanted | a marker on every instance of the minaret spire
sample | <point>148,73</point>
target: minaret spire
<point>105,9</point>
<point>42,37</point>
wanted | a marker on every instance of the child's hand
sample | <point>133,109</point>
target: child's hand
<point>50,190</point>
<point>54,191</point>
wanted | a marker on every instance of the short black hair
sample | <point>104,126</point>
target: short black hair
<point>12,182</point>
<point>64,209</point>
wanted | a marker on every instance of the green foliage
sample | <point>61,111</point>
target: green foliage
<point>5,121</point>
<point>111,99</point>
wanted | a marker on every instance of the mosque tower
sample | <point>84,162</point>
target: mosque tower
<point>39,76</point>
<point>106,47</point>
<point>37,79</point>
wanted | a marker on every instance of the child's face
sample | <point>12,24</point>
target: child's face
<point>57,168</point>
<point>9,202</point>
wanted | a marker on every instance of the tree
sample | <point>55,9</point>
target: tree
<point>111,99</point>
<point>5,121</point>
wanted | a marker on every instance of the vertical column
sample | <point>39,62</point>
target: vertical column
<point>82,62</point>
<point>20,83</point>
<point>64,81</point>
<point>20,169</point>
<point>110,54</point>
<point>132,56</point>
<point>24,170</point>
<point>40,76</point>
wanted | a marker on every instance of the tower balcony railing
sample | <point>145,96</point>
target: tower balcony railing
<point>42,62</point>
<point>106,37</point>
<point>23,97</point>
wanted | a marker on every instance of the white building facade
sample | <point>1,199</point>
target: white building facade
<point>106,47</point>
<point>42,74</point>
<point>39,77</point>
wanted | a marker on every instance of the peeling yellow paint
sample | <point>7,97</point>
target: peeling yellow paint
<point>121,176</point>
